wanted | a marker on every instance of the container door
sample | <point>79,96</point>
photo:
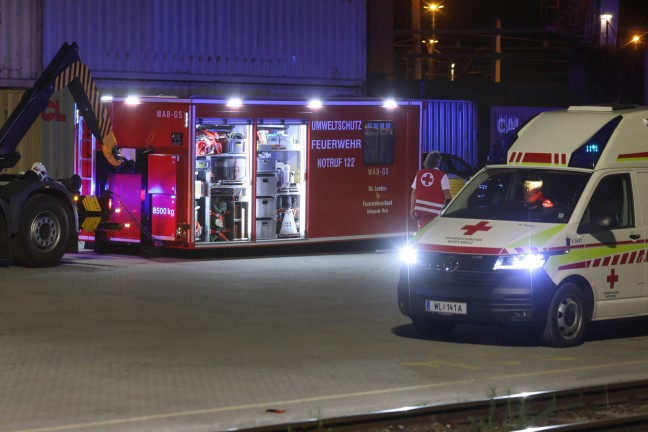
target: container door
<point>222,180</point>
<point>162,187</point>
<point>280,185</point>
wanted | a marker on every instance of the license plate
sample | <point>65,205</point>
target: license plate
<point>444,307</point>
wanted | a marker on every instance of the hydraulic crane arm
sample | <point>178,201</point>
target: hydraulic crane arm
<point>65,70</point>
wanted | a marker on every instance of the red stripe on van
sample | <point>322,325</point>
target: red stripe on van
<point>633,155</point>
<point>538,158</point>
<point>578,265</point>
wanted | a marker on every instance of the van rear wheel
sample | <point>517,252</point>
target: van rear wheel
<point>431,328</point>
<point>567,317</point>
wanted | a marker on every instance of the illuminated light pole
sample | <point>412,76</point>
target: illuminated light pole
<point>431,44</point>
<point>607,36</point>
<point>416,41</point>
<point>497,52</point>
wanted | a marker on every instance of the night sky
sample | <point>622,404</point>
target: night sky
<point>470,14</point>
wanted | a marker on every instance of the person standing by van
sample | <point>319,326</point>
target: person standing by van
<point>430,191</point>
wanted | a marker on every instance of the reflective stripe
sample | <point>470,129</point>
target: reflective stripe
<point>428,210</point>
<point>428,207</point>
<point>429,203</point>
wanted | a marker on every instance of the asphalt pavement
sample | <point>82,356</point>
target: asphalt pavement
<point>126,343</point>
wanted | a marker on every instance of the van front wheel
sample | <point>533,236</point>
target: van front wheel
<point>567,317</point>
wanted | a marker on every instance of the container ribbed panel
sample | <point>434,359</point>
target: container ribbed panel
<point>20,33</point>
<point>212,40</point>
<point>451,127</point>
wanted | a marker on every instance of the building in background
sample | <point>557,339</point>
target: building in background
<point>507,53</point>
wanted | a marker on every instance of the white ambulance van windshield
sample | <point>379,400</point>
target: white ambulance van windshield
<point>519,194</point>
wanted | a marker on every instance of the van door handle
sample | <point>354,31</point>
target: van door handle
<point>635,237</point>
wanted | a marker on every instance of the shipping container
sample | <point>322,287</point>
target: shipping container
<point>20,33</point>
<point>51,138</point>
<point>240,42</point>
<point>451,127</point>
<point>31,144</point>
<point>205,173</point>
<point>504,119</point>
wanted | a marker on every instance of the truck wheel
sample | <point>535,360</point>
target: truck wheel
<point>567,317</point>
<point>431,329</point>
<point>43,232</point>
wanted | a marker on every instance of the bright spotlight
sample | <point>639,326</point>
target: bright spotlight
<point>390,103</point>
<point>408,255</point>
<point>315,103</point>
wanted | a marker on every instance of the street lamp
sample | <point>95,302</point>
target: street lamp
<point>433,8</point>
<point>636,40</point>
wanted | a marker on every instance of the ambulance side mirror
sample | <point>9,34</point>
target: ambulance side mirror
<point>604,221</point>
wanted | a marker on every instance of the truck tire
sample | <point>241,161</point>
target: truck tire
<point>567,317</point>
<point>43,232</point>
<point>431,328</point>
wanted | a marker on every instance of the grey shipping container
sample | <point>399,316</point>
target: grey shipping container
<point>298,42</point>
<point>20,33</point>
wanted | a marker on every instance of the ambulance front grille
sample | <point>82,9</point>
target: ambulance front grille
<point>454,269</point>
<point>457,263</point>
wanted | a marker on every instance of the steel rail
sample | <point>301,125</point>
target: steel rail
<point>494,411</point>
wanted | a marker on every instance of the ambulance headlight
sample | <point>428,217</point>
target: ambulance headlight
<point>520,262</point>
<point>408,255</point>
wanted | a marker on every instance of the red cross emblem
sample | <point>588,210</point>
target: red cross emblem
<point>427,179</point>
<point>612,279</point>
<point>472,229</point>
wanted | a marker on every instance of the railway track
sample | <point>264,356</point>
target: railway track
<point>593,408</point>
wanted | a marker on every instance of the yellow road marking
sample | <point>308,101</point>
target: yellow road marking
<point>436,364</point>
<point>170,415</point>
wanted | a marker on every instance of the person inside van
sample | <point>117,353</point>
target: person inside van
<point>533,195</point>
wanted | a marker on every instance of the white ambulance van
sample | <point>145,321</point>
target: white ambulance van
<point>551,234</point>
